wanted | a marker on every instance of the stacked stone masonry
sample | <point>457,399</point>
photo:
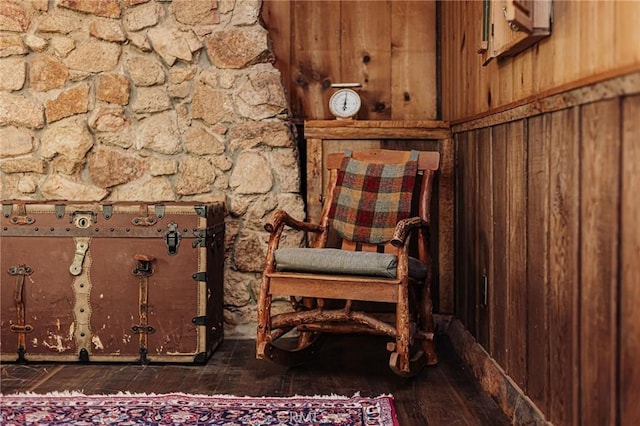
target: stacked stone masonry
<point>151,100</point>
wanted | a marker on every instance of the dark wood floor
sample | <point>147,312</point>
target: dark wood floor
<point>441,395</point>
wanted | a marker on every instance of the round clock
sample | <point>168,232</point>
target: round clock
<point>345,103</point>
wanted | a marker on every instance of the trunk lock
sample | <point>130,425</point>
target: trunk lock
<point>172,239</point>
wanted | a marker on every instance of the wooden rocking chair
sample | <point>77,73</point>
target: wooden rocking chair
<point>339,269</point>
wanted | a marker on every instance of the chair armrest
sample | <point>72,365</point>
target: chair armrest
<point>280,218</point>
<point>405,227</point>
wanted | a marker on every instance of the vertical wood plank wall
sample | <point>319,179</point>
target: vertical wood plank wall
<point>629,295</point>
<point>547,205</point>
<point>588,38</point>
<point>538,212</point>
<point>388,46</point>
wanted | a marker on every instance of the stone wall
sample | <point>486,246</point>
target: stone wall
<point>150,100</point>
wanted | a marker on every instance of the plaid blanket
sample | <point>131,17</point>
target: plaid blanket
<point>372,198</point>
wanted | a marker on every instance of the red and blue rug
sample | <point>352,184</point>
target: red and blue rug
<point>184,409</point>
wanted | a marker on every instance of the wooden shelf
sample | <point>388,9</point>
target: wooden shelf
<point>376,129</point>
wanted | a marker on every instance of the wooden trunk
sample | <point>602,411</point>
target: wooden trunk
<point>122,282</point>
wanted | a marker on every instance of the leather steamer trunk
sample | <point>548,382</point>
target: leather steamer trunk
<point>111,283</point>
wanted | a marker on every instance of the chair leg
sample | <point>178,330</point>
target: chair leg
<point>264,313</point>
<point>305,338</point>
<point>307,345</point>
<point>429,348</point>
<point>428,325</point>
<point>402,361</point>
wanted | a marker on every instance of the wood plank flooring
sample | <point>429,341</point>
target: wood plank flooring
<point>443,395</point>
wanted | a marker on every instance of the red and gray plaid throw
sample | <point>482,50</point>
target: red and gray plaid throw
<point>372,198</point>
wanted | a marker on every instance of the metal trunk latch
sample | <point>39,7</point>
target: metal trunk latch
<point>78,258</point>
<point>21,327</point>
<point>172,238</point>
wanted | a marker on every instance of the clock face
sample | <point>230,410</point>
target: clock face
<point>345,103</point>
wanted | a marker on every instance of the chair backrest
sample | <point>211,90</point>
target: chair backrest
<point>428,164</point>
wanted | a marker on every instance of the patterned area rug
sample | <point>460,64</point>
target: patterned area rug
<point>183,409</point>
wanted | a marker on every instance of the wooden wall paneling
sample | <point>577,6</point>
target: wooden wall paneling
<point>472,280</point>
<point>541,62</point>
<point>366,55</point>
<point>461,224</point>
<point>277,18</point>
<point>522,76</point>
<point>317,43</point>
<point>589,38</point>
<point>451,32</point>
<point>458,223</point>
<point>480,84</point>
<point>413,60</point>
<point>546,58</point>
<point>564,275</point>
<point>496,82</point>
<point>446,214</point>
<point>538,160</point>
<point>315,181</point>
<point>460,82</point>
<point>599,189</point>
<point>475,94</point>
<point>626,34</point>
<point>485,236</point>
<point>597,32</point>
<point>516,248</point>
<point>444,40</point>
<point>629,332</point>
<point>464,85</point>
<point>566,49</point>
<point>504,88</point>
<point>499,302</point>
<point>315,56</point>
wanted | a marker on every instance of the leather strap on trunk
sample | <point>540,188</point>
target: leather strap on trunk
<point>143,271</point>
<point>20,327</point>
<point>79,269</point>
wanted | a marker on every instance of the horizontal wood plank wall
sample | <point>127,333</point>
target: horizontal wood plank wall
<point>589,38</point>
<point>555,193</point>
<point>387,46</point>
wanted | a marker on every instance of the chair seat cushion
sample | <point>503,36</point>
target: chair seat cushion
<point>344,262</point>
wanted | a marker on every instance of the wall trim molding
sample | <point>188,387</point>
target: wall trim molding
<point>603,86</point>
<point>513,401</point>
